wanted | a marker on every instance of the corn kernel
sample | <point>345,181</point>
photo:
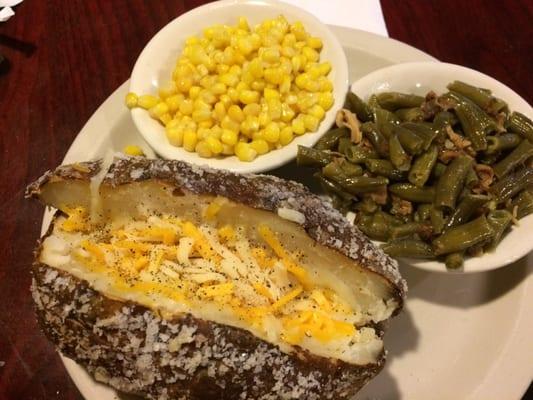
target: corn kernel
<point>173,102</point>
<point>228,123</point>
<point>158,110</point>
<point>302,80</point>
<point>131,100</point>
<point>222,69</point>
<point>202,148</point>
<point>325,68</point>
<point>244,152</point>
<point>272,132</point>
<point>186,107</point>
<point>147,101</point>
<point>225,99</point>
<point>218,88</point>
<point>228,149</point>
<point>233,94</point>
<point>214,145</point>
<point>165,118</point>
<point>220,110</point>
<point>243,24</point>
<point>273,75</point>
<point>133,150</point>
<point>248,96</point>
<point>324,85</point>
<point>229,137</point>
<point>194,92</point>
<point>252,109</point>
<point>311,122</point>
<point>235,113</point>
<point>189,140</point>
<point>258,86</point>
<point>208,123</point>
<point>298,126</point>
<point>325,100</point>
<point>175,135</point>
<point>184,84</point>
<point>168,90</point>
<point>274,109</point>
<point>260,146</point>
<point>285,136</point>
<point>317,112</point>
<point>201,115</point>
<point>314,42</point>
<point>264,119</point>
<point>270,94</point>
<point>202,133</point>
<point>287,113</point>
<point>250,125</point>
<point>229,79</point>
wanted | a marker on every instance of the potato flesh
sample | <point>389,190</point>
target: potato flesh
<point>366,295</point>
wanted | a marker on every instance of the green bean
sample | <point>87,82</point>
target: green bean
<point>452,182</point>
<point>399,157</point>
<point>523,203</point>
<point>437,220</point>
<point>359,107</point>
<point>385,121</point>
<point>376,228</point>
<point>409,140</point>
<point>465,209</point>
<point>331,187</point>
<point>520,124</point>
<point>392,101</point>
<point>389,219</point>
<point>518,156</point>
<point>330,139</point>
<point>409,229</point>
<point>424,130</point>
<point>356,154</point>
<point>475,122</point>
<point>439,169</point>
<point>471,179</point>
<point>499,220</point>
<point>408,247</point>
<point>378,141</point>
<point>407,191</point>
<point>462,237</point>
<point>410,114</point>
<point>384,168</point>
<point>362,184</point>
<point>499,143</point>
<point>511,184</point>
<point>454,260</point>
<point>309,157</point>
<point>341,168</point>
<point>423,212</point>
<point>481,97</point>
<point>442,120</point>
<point>422,167</point>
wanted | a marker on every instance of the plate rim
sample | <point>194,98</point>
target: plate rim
<point>367,42</point>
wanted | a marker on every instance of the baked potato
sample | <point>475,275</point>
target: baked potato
<point>172,281</point>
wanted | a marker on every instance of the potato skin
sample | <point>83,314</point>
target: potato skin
<point>132,349</point>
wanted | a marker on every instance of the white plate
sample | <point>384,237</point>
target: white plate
<point>459,337</point>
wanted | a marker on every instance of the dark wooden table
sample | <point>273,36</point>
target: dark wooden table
<point>64,58</point>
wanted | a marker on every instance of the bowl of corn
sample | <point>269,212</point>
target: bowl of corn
<point>238,85</point>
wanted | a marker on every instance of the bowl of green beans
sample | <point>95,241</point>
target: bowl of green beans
<point>435,162</point>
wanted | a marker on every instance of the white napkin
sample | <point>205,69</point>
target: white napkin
<point>7,12</point>
<point>359,14</point>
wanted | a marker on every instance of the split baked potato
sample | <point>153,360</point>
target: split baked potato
<point>172,281</point>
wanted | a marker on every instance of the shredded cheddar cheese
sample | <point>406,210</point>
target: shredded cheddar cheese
<point>259,280</point>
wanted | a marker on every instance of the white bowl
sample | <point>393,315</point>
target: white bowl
<point>421,77</point>
<point>156,62</point>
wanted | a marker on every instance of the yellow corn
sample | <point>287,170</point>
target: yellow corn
<point>244,152</point>
<point>242,90</point>
<point>133,150</point>
<point>260,146</point>
<point>189,140</point>
<point>147,101</point>
<point>131,100</point>
<point>286,136</point>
